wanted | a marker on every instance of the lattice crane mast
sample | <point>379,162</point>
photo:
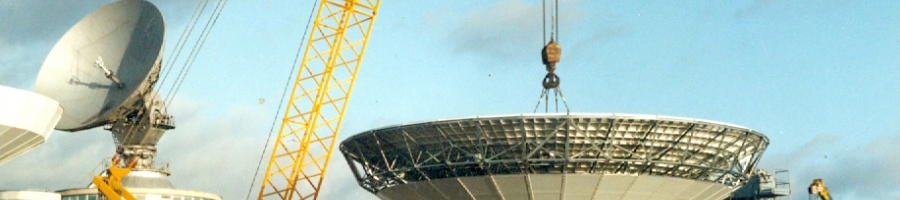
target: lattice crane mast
<point>319,99</point>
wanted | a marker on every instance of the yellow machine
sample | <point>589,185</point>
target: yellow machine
<point>818,188</point>
<point>111,184</point>
<point>315,109</point>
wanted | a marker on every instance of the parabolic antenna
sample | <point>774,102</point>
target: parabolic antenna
<point>104,64</point>
<point>555,156</point>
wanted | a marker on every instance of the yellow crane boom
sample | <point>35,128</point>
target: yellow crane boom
<point>319,98</point>
<point>110,185</point>
<point>818,188</point>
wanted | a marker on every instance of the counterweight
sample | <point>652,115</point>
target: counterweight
<point>319,99</point>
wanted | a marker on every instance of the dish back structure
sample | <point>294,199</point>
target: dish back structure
<point>555,156</point>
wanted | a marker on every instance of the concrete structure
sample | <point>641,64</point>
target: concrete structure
<point>142,194</point>
<point>144,185</point>
<point>26,121</point>
<point>556,156</point>
<point>28,195</point>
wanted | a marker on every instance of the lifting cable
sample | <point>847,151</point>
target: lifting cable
<point>201,39</point>
<point>550,55</point>
<point>192,56</point>
<point>287,85</point>
<point>186,33</point>
<point>554,20</point>
<point>165,68</point>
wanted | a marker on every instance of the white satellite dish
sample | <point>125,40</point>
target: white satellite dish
<point>104,64</point>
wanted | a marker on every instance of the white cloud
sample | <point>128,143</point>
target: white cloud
<point>213,149</point>
<point>867,171</point>
<point>507,28</point>
<point>66,160</point>
<point>216,154</point>
<point>19,64</point>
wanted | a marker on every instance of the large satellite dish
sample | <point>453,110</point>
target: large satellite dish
<point>104,64</point>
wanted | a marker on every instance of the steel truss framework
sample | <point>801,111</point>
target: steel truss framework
<point>554,143</point>
<point>319,99</point>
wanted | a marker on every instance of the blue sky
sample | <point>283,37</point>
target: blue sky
<point>820,78</point>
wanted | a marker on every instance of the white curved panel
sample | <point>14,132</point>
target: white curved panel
<point>26,121</point>
<point>549,186</point>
